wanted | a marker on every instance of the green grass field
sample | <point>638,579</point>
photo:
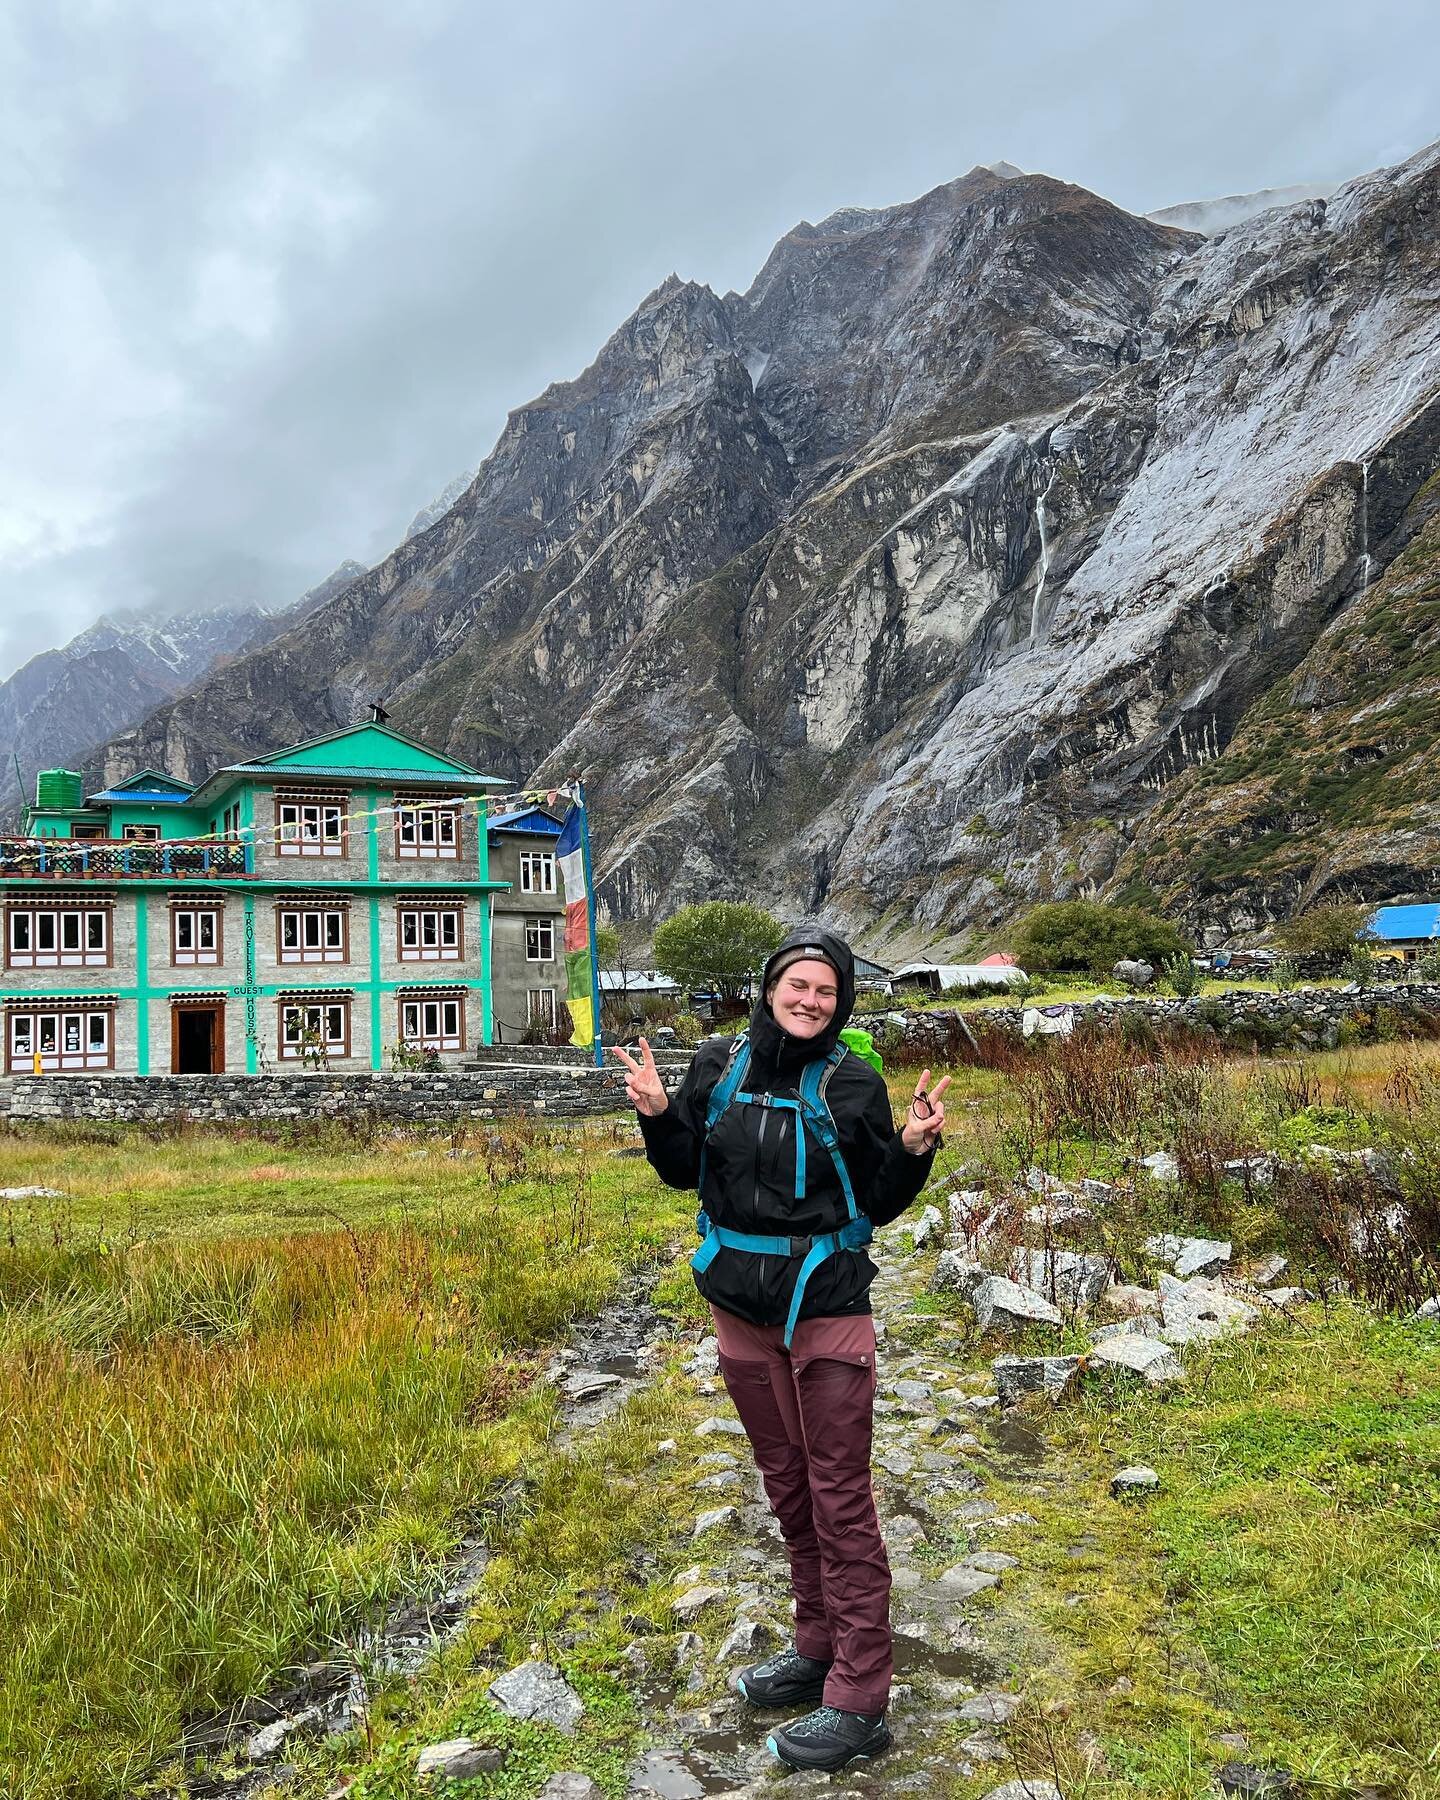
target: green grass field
<point>255,1383</point>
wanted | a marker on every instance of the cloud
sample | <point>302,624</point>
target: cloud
<point>277,271</point>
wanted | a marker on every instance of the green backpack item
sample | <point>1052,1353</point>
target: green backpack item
<point>861,1042</point>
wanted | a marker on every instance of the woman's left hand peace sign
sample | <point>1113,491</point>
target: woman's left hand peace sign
<point>925,1116</point>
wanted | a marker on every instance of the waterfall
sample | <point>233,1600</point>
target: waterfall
<point>1365,564</point>
<point>1035,613</point>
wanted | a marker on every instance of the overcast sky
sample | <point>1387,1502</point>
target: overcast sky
<point>273,272</point>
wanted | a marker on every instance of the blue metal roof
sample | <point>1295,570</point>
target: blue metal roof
<point>141,797</point>
<point>530,819</point>
<point>1399,922</point>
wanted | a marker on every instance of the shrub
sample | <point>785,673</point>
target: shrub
<point>720,944</point>
<point>688,1028</point>
<point>1181,975</point>
<point>1358,967</point>
<point>1089,935</point>
<point>1284,974</point>
<point>1329,932</point>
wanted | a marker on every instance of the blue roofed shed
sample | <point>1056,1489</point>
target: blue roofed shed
<point>1409,929</point>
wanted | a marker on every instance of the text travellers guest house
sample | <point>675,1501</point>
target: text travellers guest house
<point>326,904</point>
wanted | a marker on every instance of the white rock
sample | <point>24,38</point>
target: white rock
<point>720,1427</point>
<point>1259,1171</point>
<point>457,1759</point>
<point>1016,1376</point>
<point>1153,1362</point>
<point>1133,1483</point>
<point>991,1562</point>
<point>32,1193</point>
<point>991,1708</point>
<point>1026,1789</point>
<point>1074,1278</point>
<point>1006,1306</point>
<point>695,1600</point>
<point>537,1690</point>
<point>1131,1302</point>
<point>666,1447</point>
<point>570,1784</point>
<point>1190,1255</point>
<point>1429,1309</point>
<point>1160,1165</point>
<point>955,1273</point>
<point>924,1228</point>
<point>963,1581</point>
<point>1265,1270</point>
<point>748,1637</point>
<point>714,1519</point>
<point>1199,1308</point>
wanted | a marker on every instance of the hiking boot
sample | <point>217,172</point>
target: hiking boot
<point>829,1738</point>
<point>785,1679</point>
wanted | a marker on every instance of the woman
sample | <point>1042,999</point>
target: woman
<point>788,1200</point>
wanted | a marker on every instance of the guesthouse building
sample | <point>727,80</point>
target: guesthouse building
<point>336,904</point>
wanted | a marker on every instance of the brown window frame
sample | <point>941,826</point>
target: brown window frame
<point>80,959</point>
<point>418,852</point>
<point>59,1011</point>
<point>441,953</point>
<point>195,959</point>
<point>438,1040</point>
<point>284,1054</point>
<point>305,957</point>
<point>313,848</point>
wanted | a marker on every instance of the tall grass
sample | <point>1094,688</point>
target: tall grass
<point>216,1457</point>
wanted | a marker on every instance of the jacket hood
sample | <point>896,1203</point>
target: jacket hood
<point>769,1044</point>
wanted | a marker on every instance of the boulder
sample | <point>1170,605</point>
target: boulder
<point>714,1519</point>
<point>1026,1789</point>
<point>1190,1255</point>
<point>457,1759</point>
<point>1002,1305</point>
<point>720,1427</point>
<point>1143,1357</point>
<point>963,1582</point>
<point>748,1638</point>
<point>1160,1165</point>
<point>570,1784</point>
<point>537,1690</point>
<point>695,1600</point>
<point>1016,1376</point>
<point>1264,1271</point>
<point>1133,1483</point>
<point>955,1273</point>
<point>1198,1308</point>
<point>1129,1302</point>
<point>1133,973</point>
<point>1070,1277</point>
<point>1256,1171</point>
<point>924,1228</point>
<point>1429,1309</point>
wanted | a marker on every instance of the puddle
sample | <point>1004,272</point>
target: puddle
<point>913,1656</point>
<point>679,1775</point>
<point>627,1364</point>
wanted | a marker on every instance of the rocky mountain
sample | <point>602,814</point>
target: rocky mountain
<point>62,703</point>
<point>1209,217</point>
<point>440,505</point>
<point>926,577</point>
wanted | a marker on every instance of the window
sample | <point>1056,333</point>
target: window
<point>433,1024</point>
<point>430,934</point>
<point>230,821</point>
<point>80,1039</point>
<point>540,1007</point>
<point>141,834</point>
<point>76,938</point>
<point>537,872</point>
<point>432,831</point>
<point>312,935</point>
<point>310,827</point>
<point>314,1028</point>
<point>539,940</point>
<point>89,832</point>
<point>195,935</point>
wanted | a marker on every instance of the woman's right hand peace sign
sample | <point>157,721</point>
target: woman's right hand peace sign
<point>643,1087</point>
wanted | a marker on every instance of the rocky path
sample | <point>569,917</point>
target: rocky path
<point>942,1445</point>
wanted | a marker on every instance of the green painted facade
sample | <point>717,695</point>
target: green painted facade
<point>375,880</point>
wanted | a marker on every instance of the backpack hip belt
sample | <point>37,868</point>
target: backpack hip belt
<point>810,1109</point>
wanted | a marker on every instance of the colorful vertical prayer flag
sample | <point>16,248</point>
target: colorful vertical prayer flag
<point>579,953</point>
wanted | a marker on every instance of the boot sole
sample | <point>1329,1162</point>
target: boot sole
<point>827,1766</point>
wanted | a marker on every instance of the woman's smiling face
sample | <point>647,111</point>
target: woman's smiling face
<point>804,999</point>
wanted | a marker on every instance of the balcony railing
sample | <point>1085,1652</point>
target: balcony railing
<point>114,859</point>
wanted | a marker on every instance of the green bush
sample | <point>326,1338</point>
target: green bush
<point>1089,935</point>
<point>1180,974</point>
<point>1330,931</point>
<point>720,944</point>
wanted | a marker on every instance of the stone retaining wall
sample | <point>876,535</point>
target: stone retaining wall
<point>1318,1011</point>
<point>409,1098</point>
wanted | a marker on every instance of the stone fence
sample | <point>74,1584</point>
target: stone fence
<point>1314,1013</point>
<point>430,1098</point>
<point>564,1056</point>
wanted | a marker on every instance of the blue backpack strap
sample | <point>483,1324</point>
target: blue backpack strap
<point>723,1092</point>
<point>817,1115</point>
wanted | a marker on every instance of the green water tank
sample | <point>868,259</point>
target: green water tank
<point>58,787</point>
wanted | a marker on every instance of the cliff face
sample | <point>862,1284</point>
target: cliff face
<point>917,582</point>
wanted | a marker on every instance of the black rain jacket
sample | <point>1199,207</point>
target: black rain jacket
<point>750,1163</point>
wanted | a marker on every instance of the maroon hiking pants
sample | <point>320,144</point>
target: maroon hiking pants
<point>808,1412</point>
